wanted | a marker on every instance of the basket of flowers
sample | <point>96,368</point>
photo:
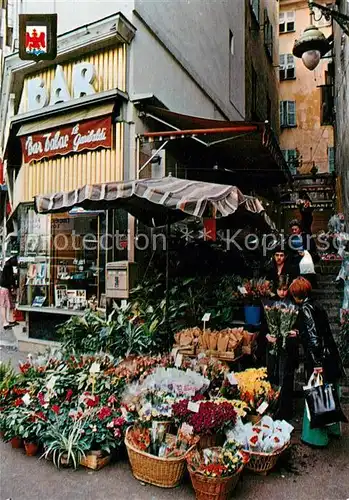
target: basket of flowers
<point>209,419</point>
<point>215,471</point>
<point>156,457</point>
<point>264,442</point>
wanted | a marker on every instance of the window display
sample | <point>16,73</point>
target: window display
<point>61,263</point>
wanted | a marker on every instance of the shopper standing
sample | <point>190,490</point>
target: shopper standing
<point>321,353</point>
<point>7,287</point>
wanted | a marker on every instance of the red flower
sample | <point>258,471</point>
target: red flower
<point>55,409</point>
<point>91,401</point>
<point>68,395</point>
<point>41,399</point>
<point>119,422</point>
<point>19,402</point>
<point>41,415</point>
<point>104,413</point>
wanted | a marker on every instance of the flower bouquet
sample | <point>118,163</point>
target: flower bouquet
<point>208,418</point>
<point>280,319</point>
<point>254,290</point>
<point>215,471</point>
<point>254,389</point>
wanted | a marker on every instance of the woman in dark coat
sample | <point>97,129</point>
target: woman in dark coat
<point>7,284</point>
<point>321,353</point>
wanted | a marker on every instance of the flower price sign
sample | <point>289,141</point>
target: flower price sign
<point>92,134</point>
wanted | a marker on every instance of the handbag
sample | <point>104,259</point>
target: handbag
<point>322,403</point>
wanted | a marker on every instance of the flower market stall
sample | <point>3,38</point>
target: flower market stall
<point>169,411</point>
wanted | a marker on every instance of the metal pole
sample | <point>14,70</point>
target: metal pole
<point>167,296</point>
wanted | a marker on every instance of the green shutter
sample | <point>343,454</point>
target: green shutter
<point>331,160</point>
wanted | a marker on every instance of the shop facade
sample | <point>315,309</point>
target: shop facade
<point>68,132</point>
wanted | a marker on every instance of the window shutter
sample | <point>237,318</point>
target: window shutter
<point>331,160</point>
<point>290,67</point>
<point>291,113</point>
<point>282,114</point>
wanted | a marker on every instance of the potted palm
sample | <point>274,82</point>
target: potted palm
<point>66,442</point>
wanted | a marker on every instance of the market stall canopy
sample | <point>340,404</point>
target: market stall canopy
<point>248,148</point>
<point>153,200</point>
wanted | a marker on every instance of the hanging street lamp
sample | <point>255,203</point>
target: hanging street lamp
<point>313,45</point>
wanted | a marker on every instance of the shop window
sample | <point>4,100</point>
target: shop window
<point>331,160</point>
<point>268,35</point>
<point>255,7</point>
<point>287,114</point>
<point>62,259</point>
<point>291,158</point>
<point>287,21</point>
<point>287,67</point>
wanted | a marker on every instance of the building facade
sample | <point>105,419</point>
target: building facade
<point>306,97</point>
<point>341,44</point>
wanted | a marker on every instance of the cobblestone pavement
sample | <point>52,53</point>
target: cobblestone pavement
<point>304,474</point>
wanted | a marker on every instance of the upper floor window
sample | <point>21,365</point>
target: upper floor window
<point>288,114</point>
<point>331,160</point>
<point>268,35</point>
<point>287,67</point>
<point>291,158</point>
<point>287,22</point>
<point>255,6</point>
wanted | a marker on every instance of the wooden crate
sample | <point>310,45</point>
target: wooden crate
<point>95,461</point>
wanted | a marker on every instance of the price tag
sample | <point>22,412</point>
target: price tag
<point>179,359</point>
<point>193,406</point>
<point>174,352</point>
<point>26,399</point>
<point>242,290</point>
<point>232,379</point>
<point>95,368</point>
<point>261,409</point>
<point>206,317</point>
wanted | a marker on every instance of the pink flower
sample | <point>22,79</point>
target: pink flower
<point>112,399</point>
<point>117,433</point>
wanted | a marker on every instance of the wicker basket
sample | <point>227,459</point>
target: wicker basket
<point>213,488</point>
<point>262,463</point>
<point>162,472</point>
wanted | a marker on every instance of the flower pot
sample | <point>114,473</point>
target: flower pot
<point>213,488</point>
<point>31,449</point>
<point>16,442</point>
<point>252,315</point>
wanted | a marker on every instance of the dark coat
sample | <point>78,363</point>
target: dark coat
<point>271,271</point>
<point>318,342</point>
<point>7,279</point>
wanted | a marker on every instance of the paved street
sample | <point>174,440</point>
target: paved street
<point>305,475</point>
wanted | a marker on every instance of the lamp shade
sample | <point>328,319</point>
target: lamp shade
<point>312,39</point>
<point>311,59</point>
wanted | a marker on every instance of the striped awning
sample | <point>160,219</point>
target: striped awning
<point>152,200</point>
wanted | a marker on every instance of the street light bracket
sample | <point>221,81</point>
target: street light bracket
<point>331,13</point>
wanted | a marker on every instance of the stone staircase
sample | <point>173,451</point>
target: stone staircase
<point>330,296</point>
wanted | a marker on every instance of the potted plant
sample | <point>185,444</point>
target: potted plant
<point>215,472</point>
<point>253,291</point>
<point>66,442</point>
<point>209,419</point>
<point>13,425</point>
<point>34,426</point>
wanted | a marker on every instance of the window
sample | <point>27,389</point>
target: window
<point>287,114</point>
<point>327,105</point>
<point>268,35</point>
<point>331,160</point>
<point>287,67</point>
<point>287,22</point>
<point>291,158</point>
<point>255,6</point>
